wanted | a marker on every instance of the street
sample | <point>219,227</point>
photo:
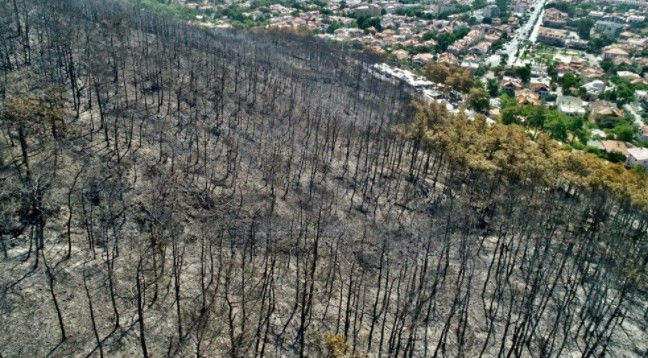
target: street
<point>527,31</point>
<point>637,118</point>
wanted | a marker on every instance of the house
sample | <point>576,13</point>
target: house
<point>622,61</point>
<point>480,49</point>
<point>577,44</point>
<point>552,36</point>
<point>526,96</point>
<point>429,43</point>
<point>600,109</point>
<point>377,50</point>
<point>539,70</point>
<point>615,17</point>
<point>637,157</point>
<point>627,34</point>
<point>448,58</point>
<point>596,15</point>
<point>589,74</point>
<point>400,54</point>
<point>578,63</point>
<point>643,134</point>
<point>423,58</point>
<point>471,62</point>
<point>635,20</point>
<point>519,9</point>
<point>595,144</point>
<point>615,146</point>
<point>514,21</point>
<point>570,105</point>
<point>608,28</point>
<point>541,86</point>
<point>367,10</point>
<point>279,9</point>
<point>510,85</point>
<point>627,75</point>
<point>348,32</point>
<point>594,88</point>
<point>554,18</point>
<point>599,134</point>
<point>610,53</point>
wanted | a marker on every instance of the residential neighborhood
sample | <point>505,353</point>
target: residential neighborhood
<point>580,65</point>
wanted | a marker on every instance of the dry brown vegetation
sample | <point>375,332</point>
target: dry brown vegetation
<point>174,191</point>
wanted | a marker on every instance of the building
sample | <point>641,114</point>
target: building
<point>519,9</point>
<point>637,156</point>
<point>635,20</point>
<point>509,85</point>
<point>643,134</point>
<point>577,44</point>
<point>471,63</point>
<point>540,85</point>
<point>448,58</point>
<point>611,53</point>
<point>526,96</point>
<point>589,74</point>
<point>367,10</point>
<point>480,49</point>
<point>401,54</point>
<point>594,88</point>
<point>491,11</point>
<point>599,109</point>
<point>554,18</point>
<point>627,75</point>
<point>570,105</point>
<point>552,37</point>
<point>422,58</point>
<point>611,146</point>
<point>608,28</point>
<point>596,15</point>
<point>539,70</point>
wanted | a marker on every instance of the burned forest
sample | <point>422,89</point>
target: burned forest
<point>170,190</point>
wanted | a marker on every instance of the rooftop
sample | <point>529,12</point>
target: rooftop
<point>638,153</point>
<point>615,146</point>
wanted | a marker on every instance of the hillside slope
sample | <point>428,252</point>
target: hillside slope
<point>168,190</point>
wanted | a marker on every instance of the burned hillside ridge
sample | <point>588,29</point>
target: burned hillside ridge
<point>216,193</point>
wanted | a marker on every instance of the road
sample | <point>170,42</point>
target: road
<point>524,32</point>
<point>637,117</point>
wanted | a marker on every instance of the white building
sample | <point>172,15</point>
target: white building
<point>570,105</point>
<point>608,28</point>
<point>367,10</point>
<point>637,156</point>
<point>594,88</point>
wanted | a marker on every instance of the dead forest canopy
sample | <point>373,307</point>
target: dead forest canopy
<point>167,190</point>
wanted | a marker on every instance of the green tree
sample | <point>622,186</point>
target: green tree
<point>478,99</point>
<point>624,93</point>
<point>502,5</point>
<point>616,157</point>
<point>557,124</point>
<point>569,81</point>
<point>584,27</point>
<point>509,115</point>
<point>493,87</point>
<point>538,117</point>
<point>624,132</point>
<point>597,43</point>
<point>524,73</point>
<point>334,26</point>
<point>366,22</point>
